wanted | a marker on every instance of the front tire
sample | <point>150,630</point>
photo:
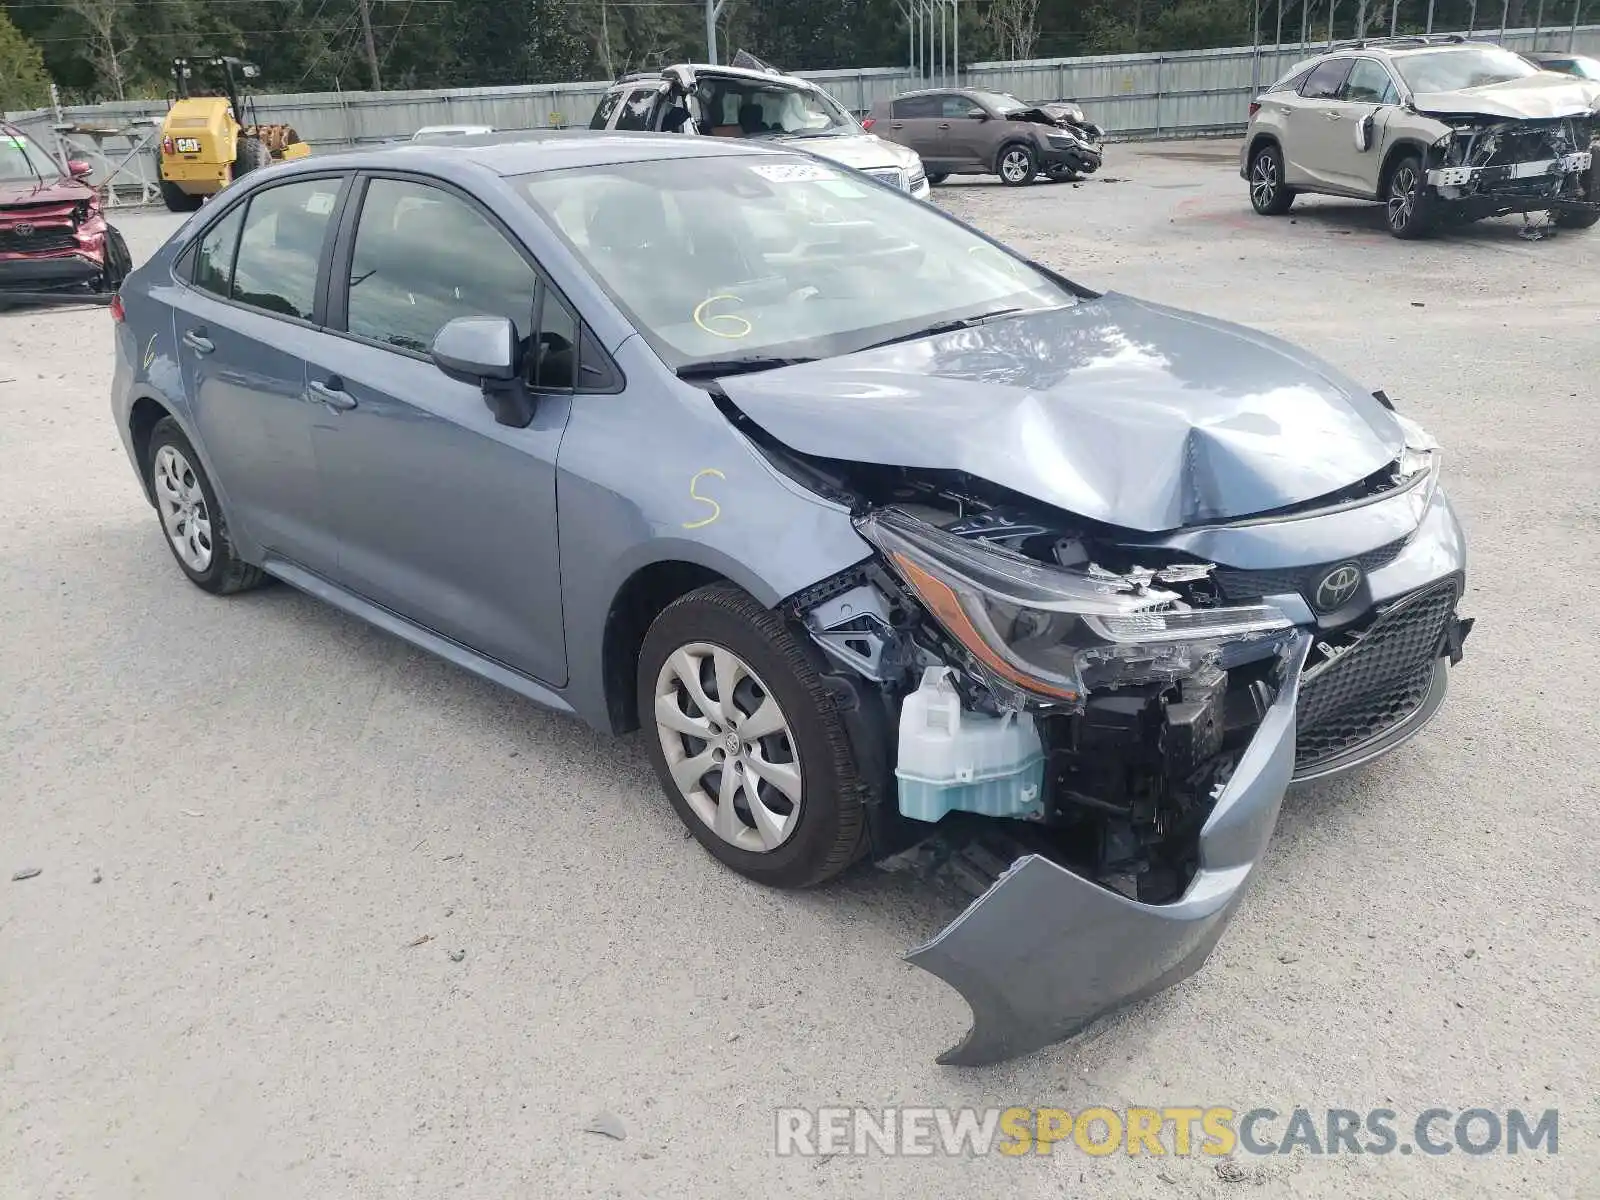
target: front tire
<point>935,178</point>
<point>1405,207</point>
<point>192,520</point>
<point>1269,195</point>
<point>116,259</point>
<point>178,200</point>
<point>745,740</point>
<point>1017,164</point>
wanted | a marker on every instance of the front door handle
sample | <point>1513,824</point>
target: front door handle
<point>1332,116</point>
<point>946,125</point>
<point>332,394</point>
<point>197,341</point>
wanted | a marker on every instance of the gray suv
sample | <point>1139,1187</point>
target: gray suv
<point>1434,128</point>
<point>967,131</point>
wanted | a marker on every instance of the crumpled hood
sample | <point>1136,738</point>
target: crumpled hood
<point>1545,96</point>
<point>862,151</point>
<point>51,191</point>
<point>1117,410</point>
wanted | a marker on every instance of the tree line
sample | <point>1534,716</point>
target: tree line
<point>120,49</point>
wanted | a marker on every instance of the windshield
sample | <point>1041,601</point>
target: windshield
<point>23,158</point>
<point>775,255</point>
<point>756,108</point>
<point>1453,70</point>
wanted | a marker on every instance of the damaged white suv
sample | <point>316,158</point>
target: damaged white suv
<point>1436,128</point>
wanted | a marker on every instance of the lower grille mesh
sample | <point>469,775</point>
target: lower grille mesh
<point>1378,682</point>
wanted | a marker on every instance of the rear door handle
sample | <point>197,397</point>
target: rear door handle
<point>946,125</point>
<point>1332,116</point>
<point>896,125</point>
<point>197,341</point>
<point>332,394</point>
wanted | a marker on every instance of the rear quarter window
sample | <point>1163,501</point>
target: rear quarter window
<point>1325,79</point>
<point>607,106</point>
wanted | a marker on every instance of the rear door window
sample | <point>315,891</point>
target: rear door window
<point>1325,80</point>
<point>280,248</point>
<point>913,107</point>
<point>213,257</point>
<point>636,109</point>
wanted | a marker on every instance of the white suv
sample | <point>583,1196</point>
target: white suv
<point>742,103</point>
<point>1433,127</point>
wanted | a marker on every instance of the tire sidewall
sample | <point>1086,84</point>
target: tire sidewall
<point>1272,154</point>
<point>817,737</point>
<point>168,433</point>
<point>1418,221</point>
<point>1009,149</point>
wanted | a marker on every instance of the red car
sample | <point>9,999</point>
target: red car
<point>54,239</point>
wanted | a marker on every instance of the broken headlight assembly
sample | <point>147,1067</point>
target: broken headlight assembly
<point>1056,633</point>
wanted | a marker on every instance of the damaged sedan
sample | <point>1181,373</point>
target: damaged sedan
<point>1438,129</point>
<point>897,545</point>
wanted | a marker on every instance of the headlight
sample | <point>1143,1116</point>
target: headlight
<point>1421,452</point>
<point>1058,632</point>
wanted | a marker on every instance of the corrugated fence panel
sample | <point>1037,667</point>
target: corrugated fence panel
<point>1184,93</point>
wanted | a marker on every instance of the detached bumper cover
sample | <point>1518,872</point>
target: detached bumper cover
<point>1080,157</point>
<point>1044,951</point>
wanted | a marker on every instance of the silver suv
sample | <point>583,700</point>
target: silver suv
<point>1433,127</point>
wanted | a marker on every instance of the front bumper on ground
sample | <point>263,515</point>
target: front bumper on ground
<point>1080,157</point>
<point>1044,951</point>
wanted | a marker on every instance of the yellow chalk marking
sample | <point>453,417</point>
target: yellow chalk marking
<point>703,319</point>
<point>716,509</point>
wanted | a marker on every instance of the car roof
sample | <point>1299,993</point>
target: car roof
<point>529,151</point>
<point>716,71</point>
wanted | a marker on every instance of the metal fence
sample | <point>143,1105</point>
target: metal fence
<point>1191,93</point>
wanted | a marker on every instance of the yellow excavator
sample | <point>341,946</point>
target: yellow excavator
<point>204,143</point>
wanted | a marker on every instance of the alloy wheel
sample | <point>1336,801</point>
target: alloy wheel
<point>1402,196</point>
<point>728,747</point>
<point>184,513</point>
<point>1014,166</point>
<point>1263,181</point>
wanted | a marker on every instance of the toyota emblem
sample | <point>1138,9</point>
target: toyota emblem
<point>1336,587</point>
<point>24,230</point>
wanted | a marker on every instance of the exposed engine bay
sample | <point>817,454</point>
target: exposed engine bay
<point>1136,749</point>
<point>1501,165</point>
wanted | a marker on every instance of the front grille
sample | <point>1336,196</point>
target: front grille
<point>1376,683</point>
<point>42,239</point>
<point>1252,585</point>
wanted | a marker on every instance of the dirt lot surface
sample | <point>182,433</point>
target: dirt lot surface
<point>264,830</point>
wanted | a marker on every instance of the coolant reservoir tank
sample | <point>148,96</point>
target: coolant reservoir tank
<point>952,760</point>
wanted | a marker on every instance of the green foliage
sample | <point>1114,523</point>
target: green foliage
<point>317,45</point>
<point>23,82</point>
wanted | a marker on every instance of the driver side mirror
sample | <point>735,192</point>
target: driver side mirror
<point>486,351</point>
<point>977,114</point>
<point>79,169</point>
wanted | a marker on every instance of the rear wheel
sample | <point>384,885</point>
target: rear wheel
<point>118,262</point>
<point>1269,195</point>
<point>252,156</point>
<point>1017,165</point>
<point>191,518</point>
<point>1405,200</point>
<point>178,200</point>
<point>746,741</point>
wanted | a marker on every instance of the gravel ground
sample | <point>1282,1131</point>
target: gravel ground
<point>250,813</point>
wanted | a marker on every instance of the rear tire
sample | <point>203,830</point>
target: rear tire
<point>178,200</point>
<point>252,156</point>
<point>118,262</point>
<point>1016,164</point>
<point>1405,202</point>
<point>1269,195</point>
<point>716,636</point>
<point>191,519</point>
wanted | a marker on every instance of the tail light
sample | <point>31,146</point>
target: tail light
<point>167,147</point>
<point>118,313</point>
<point>1255,107</point>
<point>868,122</point>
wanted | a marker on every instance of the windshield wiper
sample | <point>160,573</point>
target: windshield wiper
<point>712,368</point>
<point>939,327</point>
